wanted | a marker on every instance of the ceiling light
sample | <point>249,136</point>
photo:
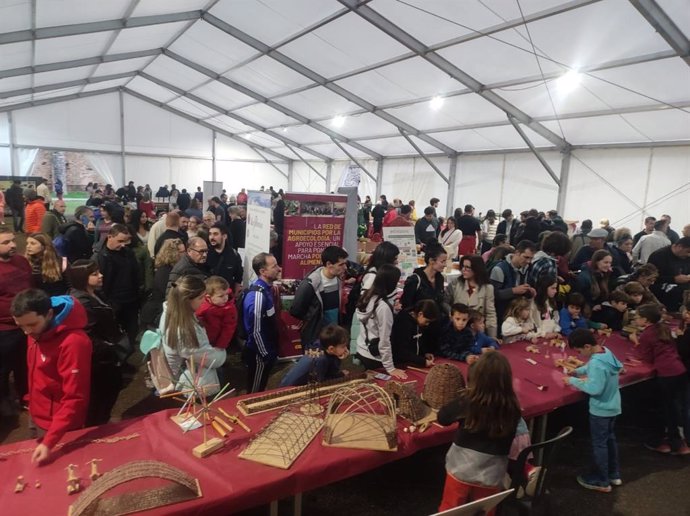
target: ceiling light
<point>338,121</point>
<point>436,103</point>
<point>285,129</point>
<point>569,81</point>
<point>248,136</point>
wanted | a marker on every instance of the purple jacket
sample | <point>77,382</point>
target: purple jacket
<point>663,355</point>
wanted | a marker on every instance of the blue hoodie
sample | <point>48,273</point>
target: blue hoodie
<point>601,384</point>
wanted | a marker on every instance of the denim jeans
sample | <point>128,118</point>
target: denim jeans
<point>604,449</point>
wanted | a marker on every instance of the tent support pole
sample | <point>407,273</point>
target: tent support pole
<point>342,148</point>
<point>306,162</point>
<point>213,157</point>
<point>291,174</point>
<point>379,179</point>
<point>535,151</point>
<point>424,156</point>
<point>123,167</point>
<point>13,141</point>
<point>563,184</point>
<point>452,178</point>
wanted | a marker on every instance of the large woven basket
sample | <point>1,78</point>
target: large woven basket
<point>407,401</point>
<point>443,384</point>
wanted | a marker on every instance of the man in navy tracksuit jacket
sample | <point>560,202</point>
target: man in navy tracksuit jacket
<point>259,319</point>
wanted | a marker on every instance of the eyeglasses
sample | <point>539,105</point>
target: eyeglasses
<point>200,251</point>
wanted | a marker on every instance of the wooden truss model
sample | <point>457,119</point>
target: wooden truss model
<point>361,416</point>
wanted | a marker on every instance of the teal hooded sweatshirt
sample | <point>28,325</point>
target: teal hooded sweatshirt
<point>601,383</point>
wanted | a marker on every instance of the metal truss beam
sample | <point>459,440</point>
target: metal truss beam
<point>319,79</point>
<point>424,156</point>
<point>342,148</point>
<point>299,157</point>
<point>202,123</point>
<point>66,84</point>
<point>534,150</point>
<point>446,66</point>
<point>99,26</point>
<point>215,107</point>
<point>53,100</point>
<point>63,65</point>
<point>665,26</point>
<point>278,107</point>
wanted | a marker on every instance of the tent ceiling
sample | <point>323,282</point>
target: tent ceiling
<point>377,63</point>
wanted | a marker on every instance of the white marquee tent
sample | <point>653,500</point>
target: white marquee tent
<point>580,104</point>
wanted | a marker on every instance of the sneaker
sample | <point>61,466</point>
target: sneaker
<point>532,478</point>
<point>683,450</point>
<point>615,481</point>
<point>662,448</point>
<point>594,485</point>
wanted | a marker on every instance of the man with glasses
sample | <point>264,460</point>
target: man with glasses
<point>193,263</point>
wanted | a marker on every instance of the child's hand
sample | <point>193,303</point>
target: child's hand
<point>633,338</point>
<point>471,359</point>
<point>534,340</point>
<point>487,350</point>
<point>399,373</point>
<point>602,326</point>
<point>345,372</point>
<point>429,359</point>
<point>566,380</point>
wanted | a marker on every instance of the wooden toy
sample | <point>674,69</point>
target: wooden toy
<point>73,485</point>
<point>20,485</point>
<point>94,469</point>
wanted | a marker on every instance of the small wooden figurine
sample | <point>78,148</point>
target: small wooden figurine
<point>72,479</point>
<point>37,484</point>
<point>94,469</point>
<point>20,485</point>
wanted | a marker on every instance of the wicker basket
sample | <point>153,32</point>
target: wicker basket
<point>408,402</point>
<point>443,384</point>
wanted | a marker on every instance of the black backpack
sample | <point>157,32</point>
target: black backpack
<point>241,332</point>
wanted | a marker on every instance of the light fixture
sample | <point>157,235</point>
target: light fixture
<point>569,81</point>
<point>249,136</point>
<point>436,103</point>
<point>338,121</point>
<point>285,129</point>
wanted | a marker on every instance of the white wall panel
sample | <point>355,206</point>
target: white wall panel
<point>190,173</point>
<point>5,164</point>
<point>148,170</point>
<point>413,179</point>
<point>4,128</point>
<point>88,123</point>
<point>149,129</point>
<point>236,175</point>
<point>304,178</point>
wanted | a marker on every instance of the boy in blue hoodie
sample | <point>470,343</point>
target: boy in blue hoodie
<point>601,383</point>
<point>570,316</point>
<point>481,342</point>
<point>456,339</point>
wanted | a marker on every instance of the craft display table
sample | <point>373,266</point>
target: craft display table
<point>232,484</point>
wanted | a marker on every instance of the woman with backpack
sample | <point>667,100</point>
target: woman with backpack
<point>375,314</point>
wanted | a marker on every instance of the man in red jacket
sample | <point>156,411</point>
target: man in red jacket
<point>59,359</point>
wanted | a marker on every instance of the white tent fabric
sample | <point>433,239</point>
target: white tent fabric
<point>193,83</point>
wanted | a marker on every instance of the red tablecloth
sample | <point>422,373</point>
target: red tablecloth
<point>231,484</point>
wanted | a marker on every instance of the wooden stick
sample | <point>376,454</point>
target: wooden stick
<point>234,419</point>
<point>219,429</point>
<point>176,393</point>
<point>425,371</point>
<point>219,420</point>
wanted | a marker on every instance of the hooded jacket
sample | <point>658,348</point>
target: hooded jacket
<point>663,355</point>
<point>59,365</point>
<point>308,306</point>
<point>377,323</point>
<point>601,383</point>
<point>79,241</point>
<point>33,215</point>
<point>220,322</point>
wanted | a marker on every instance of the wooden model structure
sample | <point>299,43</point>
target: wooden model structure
<point>94,469</point>
<point>286,397</point>
<point>20,485</point>
<point>443,384</point>
<point>361,416</point>
<point>73,485</point>
<point>93,502</point>
<point>283,440</point>
<point>408,403</point>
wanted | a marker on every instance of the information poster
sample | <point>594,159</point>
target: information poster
<point>258,231</point>
<point>404,238</point>
<point>312,223</point>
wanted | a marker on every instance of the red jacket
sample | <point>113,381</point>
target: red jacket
<point>389,217</point>
<point>220,322</point>
<point>60,371</point>
<point>33,216</point>
<point>663,355</point>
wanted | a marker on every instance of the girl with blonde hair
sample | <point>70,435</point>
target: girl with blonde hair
<point>45,264</point>
<point>185,341</point>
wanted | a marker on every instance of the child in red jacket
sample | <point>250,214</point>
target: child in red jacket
<point>655,346</point>
<point>59,360</point>
<point>218,313</point>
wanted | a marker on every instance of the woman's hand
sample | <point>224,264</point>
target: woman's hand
<point>399,373</point>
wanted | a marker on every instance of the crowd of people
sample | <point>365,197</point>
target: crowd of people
<point>122,264</point>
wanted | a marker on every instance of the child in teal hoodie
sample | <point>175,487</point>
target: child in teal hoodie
<point>601,383</point>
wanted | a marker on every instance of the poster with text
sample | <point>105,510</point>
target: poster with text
<point>312,223</point>
<point>404,238</point>
<point>258,233</point>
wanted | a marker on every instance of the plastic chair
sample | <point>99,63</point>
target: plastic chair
<point>537,502</point>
